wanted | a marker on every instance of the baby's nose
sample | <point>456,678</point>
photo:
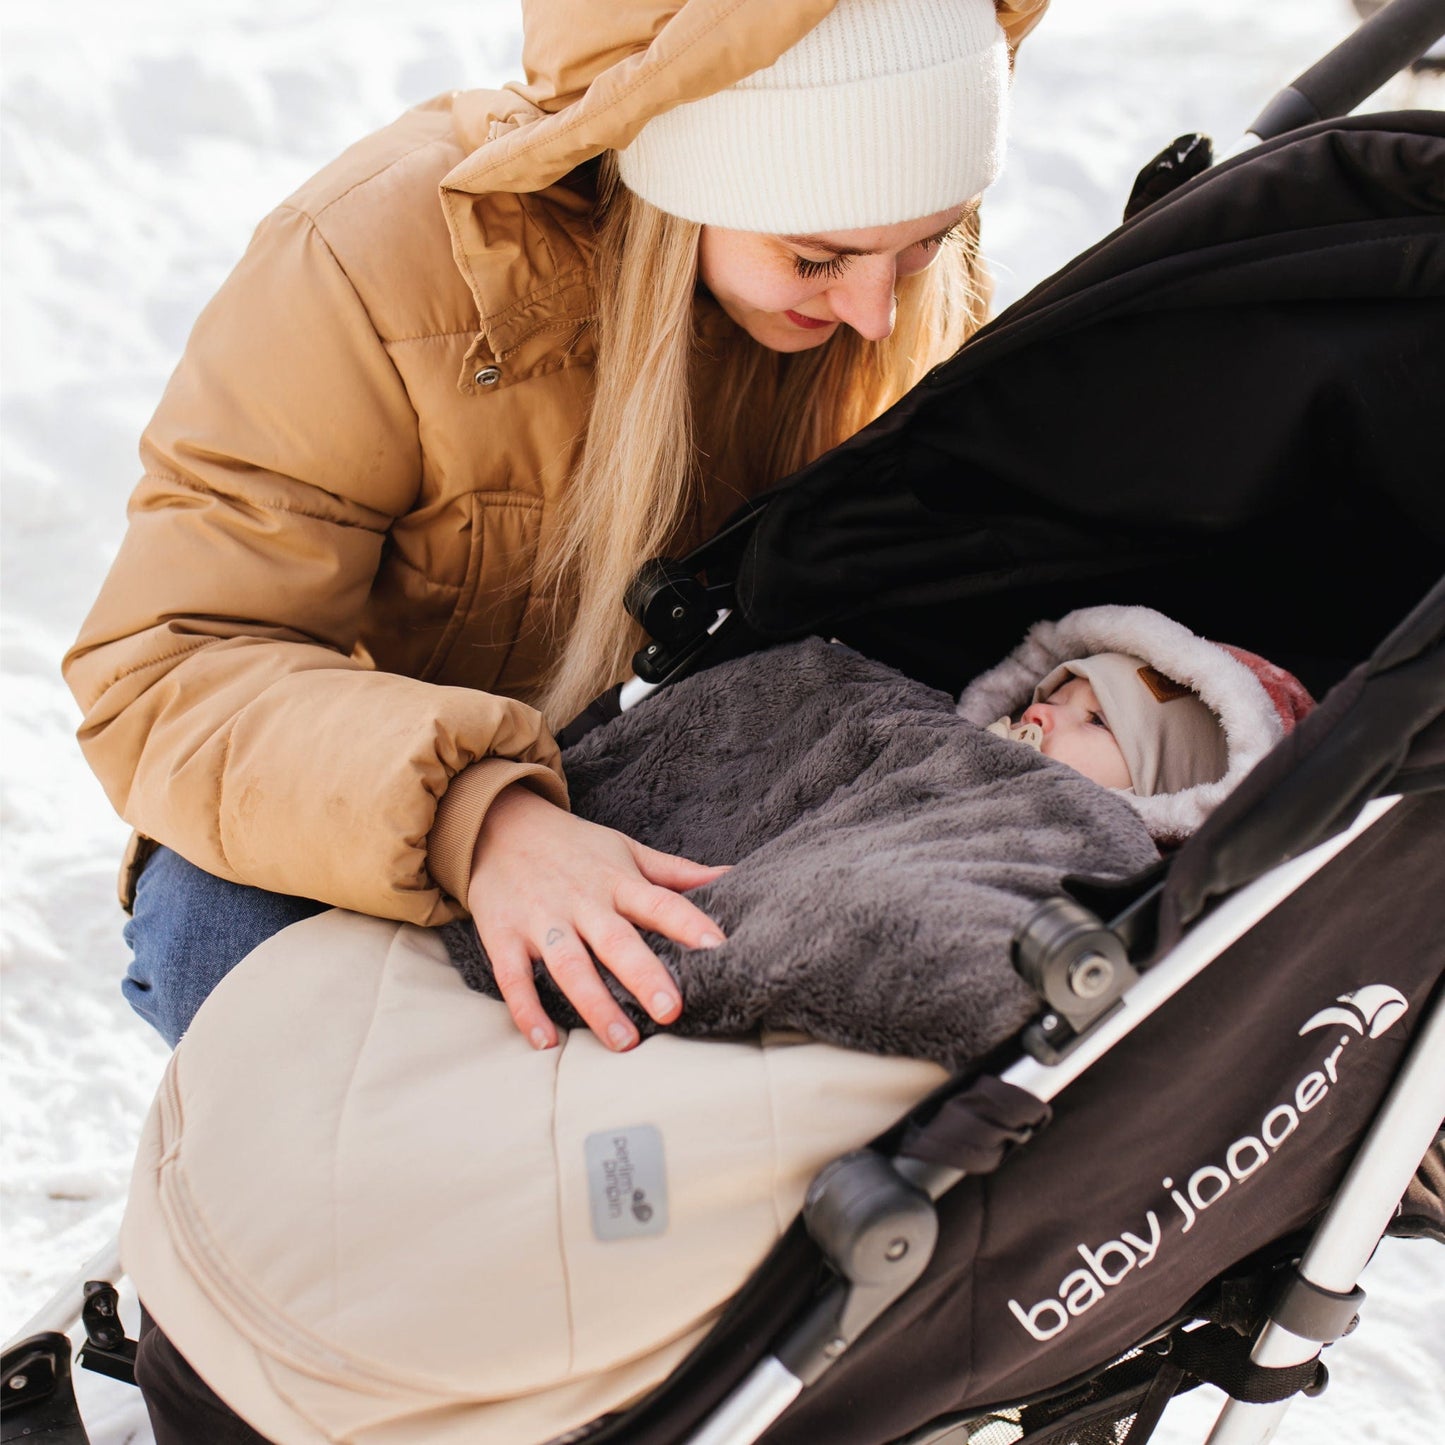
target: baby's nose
<point>1040,714</point>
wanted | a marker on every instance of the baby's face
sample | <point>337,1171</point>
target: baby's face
<point>1075,733</point>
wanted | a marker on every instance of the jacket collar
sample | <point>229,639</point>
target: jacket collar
<point>527,259</point>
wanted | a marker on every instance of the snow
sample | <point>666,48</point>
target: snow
<point>142,140</point>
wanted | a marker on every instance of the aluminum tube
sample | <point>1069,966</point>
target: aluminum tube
<point>63,1308</point>
<point>752,1407</point>
<point>1210,937</point>
<point>1341,1248</point>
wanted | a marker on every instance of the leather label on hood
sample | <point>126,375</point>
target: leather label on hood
<point>1165,689</point>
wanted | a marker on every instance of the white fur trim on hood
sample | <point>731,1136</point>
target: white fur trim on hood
<point>1227,686</point>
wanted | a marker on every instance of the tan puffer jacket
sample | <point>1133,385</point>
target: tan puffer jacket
<point>320,618</point>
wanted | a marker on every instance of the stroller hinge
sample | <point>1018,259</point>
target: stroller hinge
<point>877,1231</point>
<point>1077,966</point>
<point>677,612</point>
<point>106,1351</point>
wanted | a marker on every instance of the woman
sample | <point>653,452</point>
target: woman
<point>414,451</point>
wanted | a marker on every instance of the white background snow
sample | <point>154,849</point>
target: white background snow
<point>142,141</point>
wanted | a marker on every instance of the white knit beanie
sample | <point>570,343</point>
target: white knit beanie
<point>886,111</point>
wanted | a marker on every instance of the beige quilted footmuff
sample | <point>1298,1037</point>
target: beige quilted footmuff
<point>367,1211</point>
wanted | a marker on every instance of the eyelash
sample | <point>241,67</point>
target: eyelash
<point>836,265</point>
<point>811,270</point>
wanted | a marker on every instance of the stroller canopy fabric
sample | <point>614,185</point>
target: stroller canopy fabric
<point>1222,410</point>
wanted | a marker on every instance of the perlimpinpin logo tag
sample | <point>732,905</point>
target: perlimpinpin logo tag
<point>627,1182</point>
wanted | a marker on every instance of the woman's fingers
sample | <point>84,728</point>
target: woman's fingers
<point>660,910</point>
<point>619,946</point>
<point>546,885</point>
<point>571,967</point>
<point>671,871</point>
<point>512,968</point>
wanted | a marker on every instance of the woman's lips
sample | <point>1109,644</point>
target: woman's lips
<point>808,323</point>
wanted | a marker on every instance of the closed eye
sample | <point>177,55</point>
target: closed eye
<point>811,270</point>
<point>933,242</point>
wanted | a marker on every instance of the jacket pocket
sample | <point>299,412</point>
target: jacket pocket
<point>492,608</point>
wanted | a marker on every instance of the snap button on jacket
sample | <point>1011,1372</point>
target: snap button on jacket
<point>323,610</point>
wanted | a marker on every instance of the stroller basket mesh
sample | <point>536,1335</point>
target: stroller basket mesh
<point>1101,1412</point>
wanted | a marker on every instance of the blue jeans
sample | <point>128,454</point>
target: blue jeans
<point>189,929</point>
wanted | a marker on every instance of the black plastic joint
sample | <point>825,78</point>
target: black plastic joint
<point>868,1219</point>
<point>669,601</point>
<point>37,1394</point>
<point>106,1351</point>
<point>1314,1313</point>
<point>1077,966</point>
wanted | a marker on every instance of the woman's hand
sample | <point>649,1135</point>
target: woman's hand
<point>547,885</point>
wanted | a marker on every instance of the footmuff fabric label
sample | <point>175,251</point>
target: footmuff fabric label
<point>627,1182</point>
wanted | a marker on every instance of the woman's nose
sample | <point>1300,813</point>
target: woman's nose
<point>865,300</point>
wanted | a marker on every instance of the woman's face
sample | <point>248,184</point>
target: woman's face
<point>790,293</point>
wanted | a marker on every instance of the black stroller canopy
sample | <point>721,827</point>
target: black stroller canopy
<point>1228,409</point>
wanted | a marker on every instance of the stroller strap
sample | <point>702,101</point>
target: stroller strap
<point>1220,1357</point>
<point>976,1130</point>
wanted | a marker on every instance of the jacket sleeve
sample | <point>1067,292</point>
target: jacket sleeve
<point>224,710</point>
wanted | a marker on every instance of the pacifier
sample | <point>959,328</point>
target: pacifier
<point>1030,734</point>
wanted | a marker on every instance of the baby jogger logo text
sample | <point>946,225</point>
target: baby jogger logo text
<point>1367,1013</point>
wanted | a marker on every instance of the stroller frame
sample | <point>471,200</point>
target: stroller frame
<point>1322,1301</point>
<point>874,1216</point>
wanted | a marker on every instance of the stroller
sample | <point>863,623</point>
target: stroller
<point>1154,1186</point>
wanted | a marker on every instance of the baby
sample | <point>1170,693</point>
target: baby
<point>1139,703</point>
<point>1132,741</point>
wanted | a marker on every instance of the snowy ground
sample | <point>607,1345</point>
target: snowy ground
<point>142,140</point>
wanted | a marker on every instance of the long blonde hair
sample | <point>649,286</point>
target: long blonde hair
<point>680,431</point>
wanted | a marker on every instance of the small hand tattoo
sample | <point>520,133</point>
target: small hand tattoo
<point>554,935</point>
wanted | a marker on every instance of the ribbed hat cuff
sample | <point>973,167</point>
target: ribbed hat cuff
<point>835,157</point>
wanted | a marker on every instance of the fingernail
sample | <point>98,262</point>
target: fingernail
<point>539,1038</point>
<point>664,1005</point>
<point>620,1036</point>
<point>710,940</point>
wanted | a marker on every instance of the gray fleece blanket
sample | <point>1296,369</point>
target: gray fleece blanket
<point>884,852</point>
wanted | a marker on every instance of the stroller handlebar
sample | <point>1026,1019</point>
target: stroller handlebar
<point>1387,42</point>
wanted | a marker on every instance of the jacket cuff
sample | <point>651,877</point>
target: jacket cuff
<point>463,806</point>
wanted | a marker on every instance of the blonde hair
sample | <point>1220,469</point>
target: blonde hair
<point>665,454</point>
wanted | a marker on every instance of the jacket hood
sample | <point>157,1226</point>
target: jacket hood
<point>595,74</point>
<point>1255,702</point>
